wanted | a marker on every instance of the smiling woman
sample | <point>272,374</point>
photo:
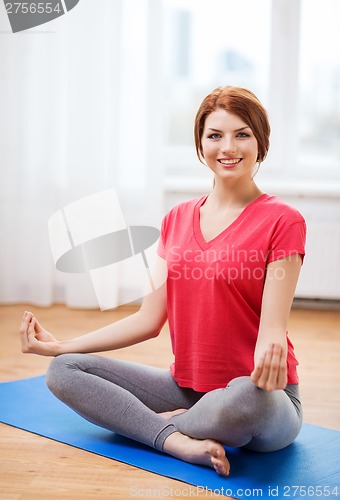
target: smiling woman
<point>231,100</point>
<point>232,131</point>
<point>229,149</point>
<point>234,380</point>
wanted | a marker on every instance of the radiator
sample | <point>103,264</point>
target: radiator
<point>320,273</point>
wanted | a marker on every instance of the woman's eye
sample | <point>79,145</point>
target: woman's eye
<point>243,135</point>
<point>214,136</point>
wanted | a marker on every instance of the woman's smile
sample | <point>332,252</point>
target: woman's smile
<point>229,162</point>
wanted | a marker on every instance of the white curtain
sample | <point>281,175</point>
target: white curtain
<point>81,111</point>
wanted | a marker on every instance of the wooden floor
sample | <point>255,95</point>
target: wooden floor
<point>33,468</point>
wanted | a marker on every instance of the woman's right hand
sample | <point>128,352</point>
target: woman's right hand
<point>35,339</point>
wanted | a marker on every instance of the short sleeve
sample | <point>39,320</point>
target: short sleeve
<point>288,239</point>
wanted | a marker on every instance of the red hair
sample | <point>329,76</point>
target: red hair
<point>240,102</point>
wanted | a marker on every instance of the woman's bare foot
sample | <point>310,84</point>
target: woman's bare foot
<point>169,414</point>
<point>204,452</point>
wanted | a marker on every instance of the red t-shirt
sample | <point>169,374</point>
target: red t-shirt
<point>214,289</point>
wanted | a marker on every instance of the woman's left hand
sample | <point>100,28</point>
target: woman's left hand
<point>270,372</point>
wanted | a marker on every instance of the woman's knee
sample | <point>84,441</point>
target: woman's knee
<point>271,417</point>
<point>243,384</point>
<point>249,400</point>
<point>233,405</point>
<point>57,372</point>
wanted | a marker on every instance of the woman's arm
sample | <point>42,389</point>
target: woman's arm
<point>142,325</point>
<point>270,357</point>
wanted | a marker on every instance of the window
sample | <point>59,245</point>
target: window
<point>319,86</point>
<point>286,51</point>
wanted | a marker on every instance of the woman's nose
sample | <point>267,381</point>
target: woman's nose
<point>228,145</point>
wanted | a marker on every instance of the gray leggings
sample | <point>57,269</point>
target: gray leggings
<point>126,397</point>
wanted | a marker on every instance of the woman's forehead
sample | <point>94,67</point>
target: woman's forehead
<point>224,120</point>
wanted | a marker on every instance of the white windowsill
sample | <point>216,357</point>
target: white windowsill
<point>291,187</point>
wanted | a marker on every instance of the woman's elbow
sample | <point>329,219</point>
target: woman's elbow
<point>151,325</point>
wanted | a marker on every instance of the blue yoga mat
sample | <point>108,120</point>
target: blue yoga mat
<point>308,468</point>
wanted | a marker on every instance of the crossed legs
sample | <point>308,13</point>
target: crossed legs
<point>243,415</point>
<point>130,398</point>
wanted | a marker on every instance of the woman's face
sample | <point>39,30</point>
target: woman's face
<point>229,145</point>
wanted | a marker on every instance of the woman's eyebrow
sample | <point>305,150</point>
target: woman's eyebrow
<point>237,130</point>
<point>240,129</point>
<point>214,129</point>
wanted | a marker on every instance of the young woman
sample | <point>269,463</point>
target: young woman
<point>233,258</point>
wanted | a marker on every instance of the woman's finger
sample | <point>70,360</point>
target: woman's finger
<point>274,369</point>
<point>31,332</point>
<point>24,322</point>
<point>256,373</point>
<point>282,375</point>
<point>38,326</point>
<point>24,330</point>
<point>262,382</point>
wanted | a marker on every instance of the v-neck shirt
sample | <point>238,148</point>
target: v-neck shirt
<point>197,223</point>
<point>215,287</point>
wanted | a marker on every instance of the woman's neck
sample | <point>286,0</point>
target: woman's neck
<point>236,195</point>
